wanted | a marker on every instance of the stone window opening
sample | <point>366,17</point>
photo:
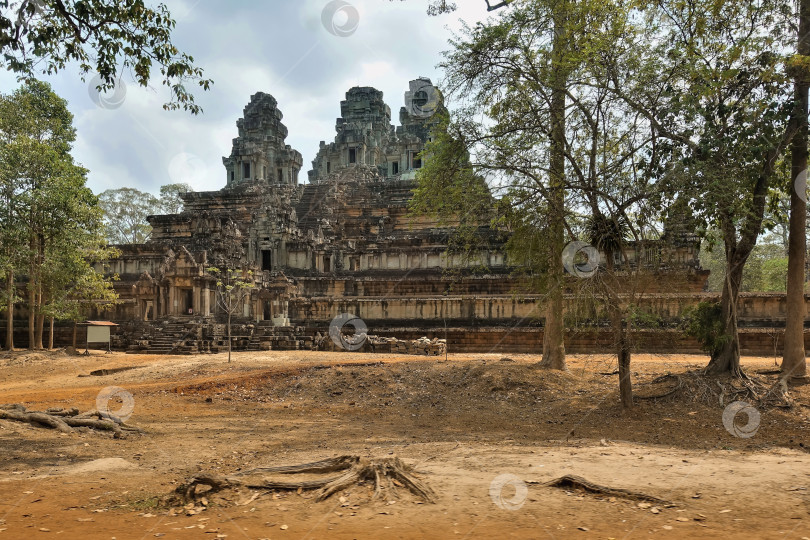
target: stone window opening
<point>232,176</point>
<point>395,167</point>
<point>246,170</point>
<point>267,259</point>
<point>280,174</point>
<point>327,264</point>
<point>352,155</point>
<point>328,167</point>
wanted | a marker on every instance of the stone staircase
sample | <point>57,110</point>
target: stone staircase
<point>174,336</point>
<point>181,335</point>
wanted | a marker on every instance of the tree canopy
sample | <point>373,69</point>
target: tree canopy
<point>51,224</point>
<point>126,209</point>
<point>108,38</point>
<point>676,116</point>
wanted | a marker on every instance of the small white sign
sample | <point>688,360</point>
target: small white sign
<point>98,334</point>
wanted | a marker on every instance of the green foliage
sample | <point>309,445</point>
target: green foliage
<point>449,191</point>
<point>765,270</point>
<point>170,201</point>
<point>50,224</point>
<point>504,74</point>
<point>233,287</point>
<point>126,209</point>
<point>640,318</point>
<point>722,103</point>
<point>101,36</point>
<point>704,322</point>
<point>125,212</point>
<point>608,234</point>
<point>774,274</point>
<point>233,290</point>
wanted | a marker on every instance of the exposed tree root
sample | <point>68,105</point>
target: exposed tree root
<point>65,420</point>
<point>352,470</point>
<point>577,482</point>
<point>722,389</point>
<point>677,386</point>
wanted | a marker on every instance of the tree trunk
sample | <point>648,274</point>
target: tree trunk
<point>620,342</point>
<point>623,354</point>
<point>229,336</point>
<point>32,313</point>
<point>10,308</point>
<point>610,284</point>
<point>50,336</point>
<point>554,331</point>
<point>40,330</point>
<point>793,357</point>
<point>75,327</point>
<point>728,359</point>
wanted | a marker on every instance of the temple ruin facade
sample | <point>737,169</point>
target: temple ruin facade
<point>343,242</point>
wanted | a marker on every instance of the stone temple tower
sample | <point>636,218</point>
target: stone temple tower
<point>259,152</point>
<point>366,139</point>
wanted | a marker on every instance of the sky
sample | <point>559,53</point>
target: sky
<point>306,53</point>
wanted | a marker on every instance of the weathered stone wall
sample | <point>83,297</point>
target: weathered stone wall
<point>756,310</point>
<point>346,241</point>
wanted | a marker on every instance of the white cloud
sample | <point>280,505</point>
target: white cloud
<point>275,46</point>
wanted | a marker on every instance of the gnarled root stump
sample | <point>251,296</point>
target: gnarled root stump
<point>65,420</point>
<point>570,481</point>
<point>352,470</point>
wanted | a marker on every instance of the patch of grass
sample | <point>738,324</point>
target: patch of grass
<point>142,505</point>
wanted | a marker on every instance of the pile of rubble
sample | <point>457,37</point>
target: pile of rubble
<point>378,344</point>
<point>423,345</point>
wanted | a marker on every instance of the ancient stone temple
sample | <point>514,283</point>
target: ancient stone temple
<point>344,242</point>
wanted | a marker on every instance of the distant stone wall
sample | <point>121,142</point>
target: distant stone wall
<point>753,342</point>
<point>758,310</point>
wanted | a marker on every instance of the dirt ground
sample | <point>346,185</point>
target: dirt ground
<point>462,424</point>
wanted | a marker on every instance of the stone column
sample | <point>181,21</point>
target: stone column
<point>173,303</point>
<point>195,300</point>
<point>206,301</point>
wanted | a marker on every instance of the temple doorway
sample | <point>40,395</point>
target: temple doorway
<point>188,301</point>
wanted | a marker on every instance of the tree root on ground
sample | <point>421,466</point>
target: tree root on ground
<point>754,390</point>
<point>352,470</point>
<point>678,385</point>
<point>65,420</point>
<point>577,482</point>
<point>711,389</point>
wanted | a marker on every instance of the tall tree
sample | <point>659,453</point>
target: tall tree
<point>710,77</point>
<point>531,44</point>
<point>125,213</point>
<point>794,363</point>
<point>551,143</point>
<point>53,215</point>
<point>170,201</point>
<point>11,244</point>
<point>70,284</point>
<point>100,36</point>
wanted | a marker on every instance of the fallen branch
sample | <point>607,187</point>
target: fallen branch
<point>352,469</point>
<point>327,465</point>
<point>64,420</point>
<point>577,482</point>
